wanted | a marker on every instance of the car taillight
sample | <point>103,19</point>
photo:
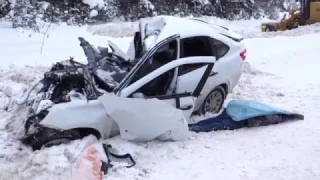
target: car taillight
<point>243,54</point>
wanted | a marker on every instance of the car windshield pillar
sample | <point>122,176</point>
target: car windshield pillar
<point>142,61</point>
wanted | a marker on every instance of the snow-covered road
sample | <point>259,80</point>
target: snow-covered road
<point>281,71</point>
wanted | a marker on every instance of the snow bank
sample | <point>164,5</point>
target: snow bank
<point>53,44</point>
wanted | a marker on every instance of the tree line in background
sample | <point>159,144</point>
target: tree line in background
<point>28,13</point>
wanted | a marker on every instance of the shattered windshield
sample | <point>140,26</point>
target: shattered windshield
<point>152,30</point>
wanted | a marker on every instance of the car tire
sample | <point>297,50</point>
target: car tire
<point>48,137</point>
<point>214,101</point>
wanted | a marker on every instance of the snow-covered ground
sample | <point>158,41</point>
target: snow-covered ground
<point>282,70</point>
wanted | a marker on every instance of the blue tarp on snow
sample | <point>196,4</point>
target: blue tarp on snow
<point>240,110</point>
<point>245,113</point>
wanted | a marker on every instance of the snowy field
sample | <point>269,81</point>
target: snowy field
<point>282,70</point>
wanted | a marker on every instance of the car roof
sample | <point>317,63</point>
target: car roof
<point>169,25</point>
<point>184,27</point>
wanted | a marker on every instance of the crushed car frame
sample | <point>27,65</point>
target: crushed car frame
<point>170,59</point>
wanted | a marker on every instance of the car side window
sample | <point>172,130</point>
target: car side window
<point>158,86</point>
<point>196,46</point>
<point>189,67</point>
<point>221,48</point>
<point>164,55</point>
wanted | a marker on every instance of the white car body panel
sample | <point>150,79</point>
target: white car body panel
<point>80,114</point>
<point>185,102</point>
<point>135,119</point>
<point>118,51</point>
<point>131,51</point>
<point>189,81</point>
<point>44,104</point>
<point>146,120</point>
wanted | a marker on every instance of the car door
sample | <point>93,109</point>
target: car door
<point>143,62</point>
<point>184,99</point>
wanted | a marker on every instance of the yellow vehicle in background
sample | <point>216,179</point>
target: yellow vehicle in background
<point>308,13</point>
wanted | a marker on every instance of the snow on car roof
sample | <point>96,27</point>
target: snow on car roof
<point>169,25</point>
<point>183,27</point>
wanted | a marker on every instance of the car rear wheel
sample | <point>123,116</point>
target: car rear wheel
<point>214,101</point>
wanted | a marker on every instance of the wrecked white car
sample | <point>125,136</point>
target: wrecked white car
<point>148,93</point>
<point>197,39</point>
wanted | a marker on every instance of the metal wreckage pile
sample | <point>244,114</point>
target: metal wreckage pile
<point>27,13</point>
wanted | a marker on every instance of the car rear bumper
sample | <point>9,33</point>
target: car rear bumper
<point>235,77</point>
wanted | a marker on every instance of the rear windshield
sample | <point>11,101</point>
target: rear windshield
<point>223,27</point>
<point>233,38</point>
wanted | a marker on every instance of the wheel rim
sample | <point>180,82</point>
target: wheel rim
<point>213,102</point>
